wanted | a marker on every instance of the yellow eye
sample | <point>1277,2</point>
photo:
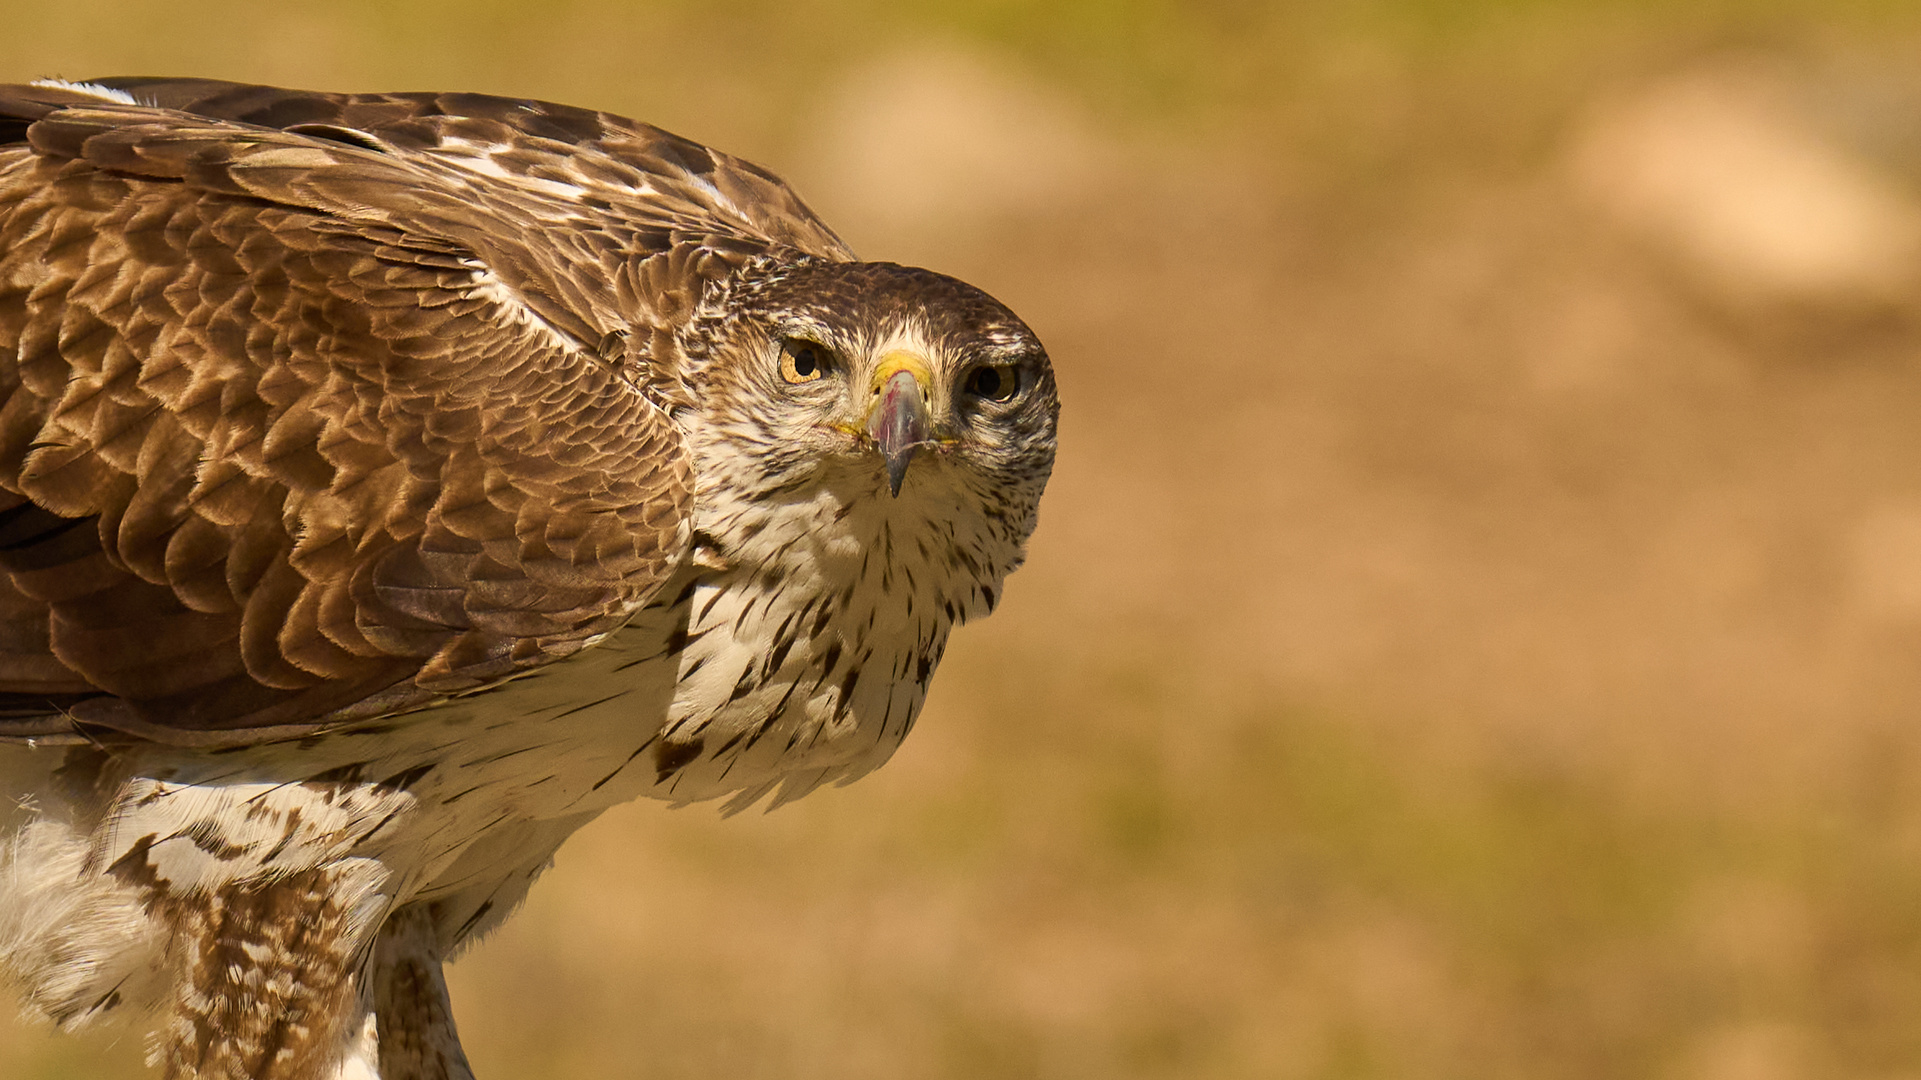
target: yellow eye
<point>802,361</point>
<point>995,382</point>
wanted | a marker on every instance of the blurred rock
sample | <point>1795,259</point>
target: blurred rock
<point>1718,168</point>
<point>945,139</point>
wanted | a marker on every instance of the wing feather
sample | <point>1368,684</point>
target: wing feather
<point>645,175</point>
<point>304,415</point>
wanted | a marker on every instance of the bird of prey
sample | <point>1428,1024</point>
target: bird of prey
<point>390,484</point>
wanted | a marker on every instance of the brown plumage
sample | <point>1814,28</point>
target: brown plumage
<point>353,445</point>
<point>318,471</point>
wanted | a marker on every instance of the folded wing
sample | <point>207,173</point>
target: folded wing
<point>317,407</point>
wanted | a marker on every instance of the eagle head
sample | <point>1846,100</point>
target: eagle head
<point>892,392</point>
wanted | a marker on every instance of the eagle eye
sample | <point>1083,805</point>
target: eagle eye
<point>995,382</point>
<point>802,361</point>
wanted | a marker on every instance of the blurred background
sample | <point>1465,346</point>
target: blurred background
<point>1475,627</point>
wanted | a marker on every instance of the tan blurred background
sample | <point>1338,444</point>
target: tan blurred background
<point>1475,629</point>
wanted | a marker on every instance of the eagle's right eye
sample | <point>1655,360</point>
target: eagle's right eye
<point>802,361</point>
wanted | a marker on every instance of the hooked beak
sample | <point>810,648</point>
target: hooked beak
<point>898,419</point>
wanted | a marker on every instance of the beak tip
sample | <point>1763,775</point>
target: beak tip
<point>897,469</point>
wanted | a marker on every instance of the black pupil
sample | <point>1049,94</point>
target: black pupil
<point>804,361</point>
<point>987,382</point>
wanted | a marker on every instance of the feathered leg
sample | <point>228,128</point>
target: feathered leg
<point>269,989</point>
<point>415,1019</point>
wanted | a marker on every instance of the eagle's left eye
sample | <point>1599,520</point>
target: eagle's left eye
<point>995,382</point>
<point>802,361</point>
